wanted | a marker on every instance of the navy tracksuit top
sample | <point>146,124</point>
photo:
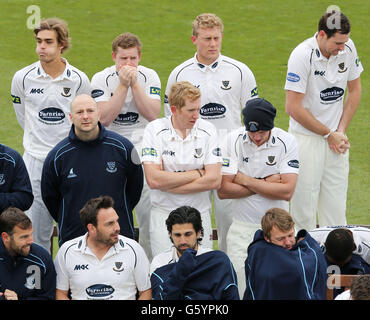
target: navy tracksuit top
<point>32,277</point>
<point>76,171</point>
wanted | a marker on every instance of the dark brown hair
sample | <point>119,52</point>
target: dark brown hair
<point>13,217</point>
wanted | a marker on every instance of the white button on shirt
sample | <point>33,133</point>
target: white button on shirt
<point>161,144</point>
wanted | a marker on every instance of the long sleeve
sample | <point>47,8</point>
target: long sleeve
<point>49,187</point>
<point>135,178</point>
<point>17,94</point>
<point>48,282</point>
<point>15,185</point>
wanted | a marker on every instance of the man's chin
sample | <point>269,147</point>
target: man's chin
<point>24,251</point>
<point>182,249</point>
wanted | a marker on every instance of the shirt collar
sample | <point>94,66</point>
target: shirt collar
<point>102,134</point>
<point>194,132</point>
<point>175,257</point>
<point>67,73</point>
<point>213,66</point>
<point>317,55</point>
<point>116,248</point>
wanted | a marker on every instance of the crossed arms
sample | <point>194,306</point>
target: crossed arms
<point>276,186</point>
<point>191,181</point>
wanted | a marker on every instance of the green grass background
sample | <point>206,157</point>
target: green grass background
<point>260,33</point>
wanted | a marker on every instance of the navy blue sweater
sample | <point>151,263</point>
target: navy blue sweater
<point>76,171</point>
<point>274,273</point>
<point>32,277</point>
<point>356,265</point>
<point>15,185</point>
<point>209,276</point>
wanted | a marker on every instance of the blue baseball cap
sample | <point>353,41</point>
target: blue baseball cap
<point>258,114</point>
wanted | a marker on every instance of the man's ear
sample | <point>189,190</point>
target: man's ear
<point>91,228</point>
<point>199,234</point>
<point>173,109</point>
<point>5,236</point>
<point>193,39</point>
<point>321,34</point>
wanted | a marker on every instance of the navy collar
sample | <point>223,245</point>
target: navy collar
<point>102,134</point>
<point>213,66</point>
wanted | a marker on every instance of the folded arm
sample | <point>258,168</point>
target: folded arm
<point>282,190</point>
<point>210,179</point>
<point>157,178</point>
<point>232,190</point>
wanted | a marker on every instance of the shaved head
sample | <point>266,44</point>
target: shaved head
<point>85,116</point>
<point>83,99</point>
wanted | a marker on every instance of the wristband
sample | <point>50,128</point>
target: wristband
<point>327,135</point>
<point>199,173</point>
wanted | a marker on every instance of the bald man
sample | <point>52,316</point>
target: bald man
<point>89,163</point>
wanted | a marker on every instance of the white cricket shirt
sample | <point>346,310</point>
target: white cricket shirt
<point>129,123</point>
<point>170,256</point>
<point>161,144</point>
<point>116,276</point>
<point>279,155</point>
<point>361,236</point>
<point>322,80</point>
<point>225,85</point>
<point>42,105</point>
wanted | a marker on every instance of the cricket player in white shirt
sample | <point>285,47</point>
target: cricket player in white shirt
<point>361,238</point>
<point>226,85</point>
<point>319,71</point>
<point>42,93</point>
<point>102,264</point>
<point>182,160</point>
<point>129,97</point>
<point>260,170</point>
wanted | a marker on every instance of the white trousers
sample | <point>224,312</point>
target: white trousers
<point>42,221</point>
<point>142,211</point>
<point>159,237</point>
<point>223,217</point>
<point>239,237</point>
<point>322,184</point>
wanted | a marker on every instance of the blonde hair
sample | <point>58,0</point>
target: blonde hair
<point>180,91</point>
<point>125,41</point>
<point>276,217</point>
<point>60,27</point>
<point>207,20</point>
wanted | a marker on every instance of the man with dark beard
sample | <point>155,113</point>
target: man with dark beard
<point>188,270</point>
<point>26,269</point>
<point>102,264</point>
